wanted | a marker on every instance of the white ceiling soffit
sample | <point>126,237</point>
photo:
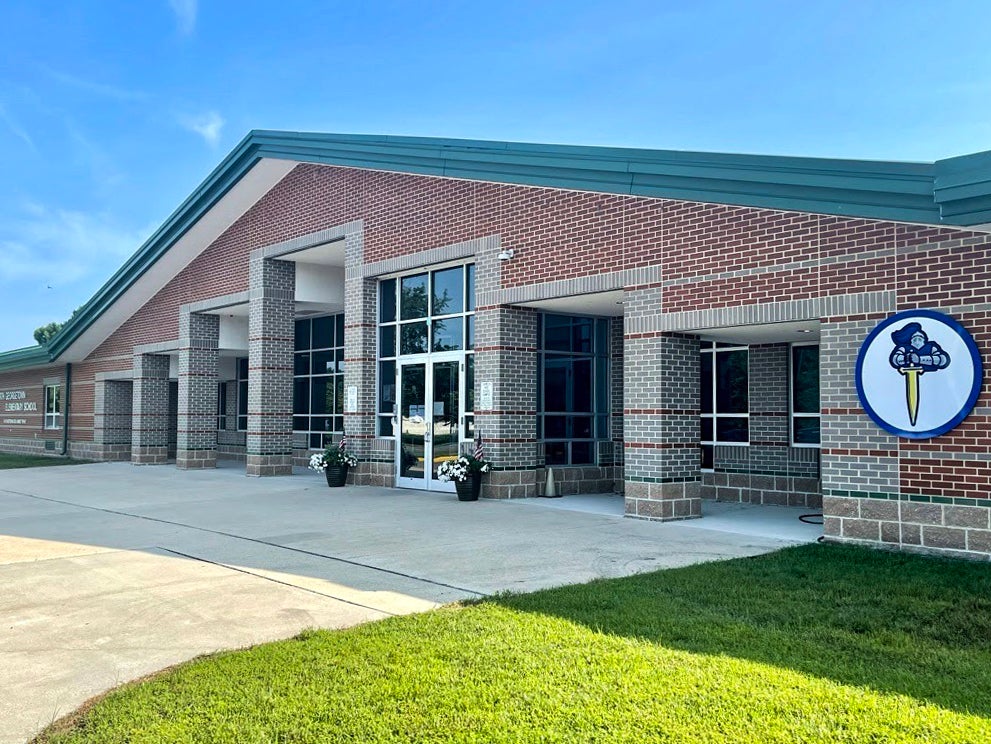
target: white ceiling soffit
<point>602,303</point>
<point>325,254</point>
<point>265,174</point>
<point>768,333</point>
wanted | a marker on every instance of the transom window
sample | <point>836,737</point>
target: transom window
<point>574,387</point>
<point>805,427</point>
<point>318,379</point>
<point>725,397</point>
<point>429,312</point>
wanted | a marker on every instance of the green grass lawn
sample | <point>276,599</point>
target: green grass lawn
<point>8,461</point>
<point>812,644</point>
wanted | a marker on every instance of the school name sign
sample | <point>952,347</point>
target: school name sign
<point>15,401</point>
<point>919,374</point>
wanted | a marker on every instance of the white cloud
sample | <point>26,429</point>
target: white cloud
<point>59,247</point>
<point>185,13</point>
<point>16,129</point>
<point>206,125</point>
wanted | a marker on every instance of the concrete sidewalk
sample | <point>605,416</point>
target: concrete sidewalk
<point>110,571</point>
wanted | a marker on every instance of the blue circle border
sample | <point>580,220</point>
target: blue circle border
<point>975,356</point>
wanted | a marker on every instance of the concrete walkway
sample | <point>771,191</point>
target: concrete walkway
<point>110,572</point>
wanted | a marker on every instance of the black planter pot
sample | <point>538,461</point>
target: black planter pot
<point>468,490</point>
<point>337,475</point>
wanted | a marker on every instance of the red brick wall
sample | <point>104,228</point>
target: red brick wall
<point>31,383</point>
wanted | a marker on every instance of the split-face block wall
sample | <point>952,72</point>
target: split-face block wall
<point>684,270</point>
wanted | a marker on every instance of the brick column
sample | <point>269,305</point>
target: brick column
<point>150,410</point>
<point>506,357</point>
<point>661,415</point>
<point>112,411</point>
<point>196,443</point>
<point>271,334</point>
<point>360,358</point>
<point>860,470</point>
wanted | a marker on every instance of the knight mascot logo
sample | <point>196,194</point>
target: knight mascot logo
<point>936,393</point>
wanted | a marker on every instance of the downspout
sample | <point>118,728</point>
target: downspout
<point>65,409</point>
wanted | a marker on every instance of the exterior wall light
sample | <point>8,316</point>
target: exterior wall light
<point>506,254</point>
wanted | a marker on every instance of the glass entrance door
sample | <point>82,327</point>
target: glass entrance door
<point>430,418</point>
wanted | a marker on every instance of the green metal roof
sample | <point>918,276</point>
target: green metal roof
<point>953,192</point>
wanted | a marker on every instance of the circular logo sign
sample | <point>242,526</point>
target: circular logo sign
<point>918,374</point>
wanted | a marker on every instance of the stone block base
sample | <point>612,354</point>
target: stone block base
<point>937,529</point>
<point>267,465</point>
<point>147,455</point>
<point>779,490</point>
<point>663,502</point>
<point>577,479</point>
<point>196,459</point>
<point>373,474</point>
<point>510,484</point>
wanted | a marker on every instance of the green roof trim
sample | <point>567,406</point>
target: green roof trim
<point>953,192</point>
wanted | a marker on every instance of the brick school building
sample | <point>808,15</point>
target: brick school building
<point>674,326</point>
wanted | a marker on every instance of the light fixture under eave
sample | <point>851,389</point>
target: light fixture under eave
<point>803,330</point>
<point>506,254</point>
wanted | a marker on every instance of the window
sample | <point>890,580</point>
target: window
<point>724,399</point>
<point>432,311</point>
<point>805,430</point>
<point>53,406</point>
<point>318,379</point>
<point>574,388</point>
<point>221,406</point>
<point>242,394</point>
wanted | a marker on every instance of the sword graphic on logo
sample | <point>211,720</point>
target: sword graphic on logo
<point>914,355</point>
<point>912,391</point>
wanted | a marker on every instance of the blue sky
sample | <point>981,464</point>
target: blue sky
<point>111,112</point>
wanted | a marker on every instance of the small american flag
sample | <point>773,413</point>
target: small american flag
<point>344,442</point>
<point>478,454</point>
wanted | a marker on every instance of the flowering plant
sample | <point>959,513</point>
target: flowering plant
<point>336,455</point>
<point>460,469</point>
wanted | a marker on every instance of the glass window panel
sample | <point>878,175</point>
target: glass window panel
<point>555,427</point>
<point>323,362</point>
<point>242,398</point>
<point>805,378</point>
<point>322,395</point>
<point>557,333</point>
<point>413,297</point>
<point>387,301</point>
<point>447,334</point>
<point>581,400</point>
<point>602,427</point>
<point>323,332</point>
<point>339,395</point>
<point>413,338</point>
<point>316,441</point>
<point>385,426</point>
<point>556,453</point>
<point>302,334</point>
<point>581,335</point>
<point>581,427</point>
<point>321,423</point>
<point>387,341</point>
<point>301,395</point>
<point>470,335</point>
<point>300,423</point>
<point>602,337</point>
<point>338,423</point>
<point>707,430</point>
<point>339,331</point>
<point>706,380</point>
<point>732,382</point>
<point>387,387</point>
<point>469,427</point>
<point>556,383</point>
<point>732,429</point>
<point>707,456</point>
<point>301,364</point>
<point>470,279</point>
<point>582,453</point>
<point>448,291</point>
<point>339,358</point>
<point>242,368</point>
<point>805,429</point>
<point>470,382</point>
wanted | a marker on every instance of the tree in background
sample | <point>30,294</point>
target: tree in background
<point>46,333</point>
